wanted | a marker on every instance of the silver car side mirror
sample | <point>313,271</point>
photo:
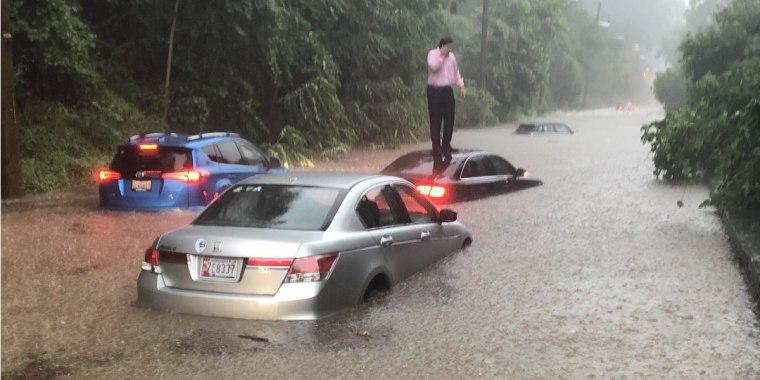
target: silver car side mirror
<point>447,215</point>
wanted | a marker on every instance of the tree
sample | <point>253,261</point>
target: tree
<point>12,180</point>
<point>717,136</point>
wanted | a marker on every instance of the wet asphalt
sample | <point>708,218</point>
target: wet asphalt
<point>597,273</point>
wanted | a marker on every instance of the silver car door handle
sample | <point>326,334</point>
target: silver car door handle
<point>425,235</point>
<point>386,240</point>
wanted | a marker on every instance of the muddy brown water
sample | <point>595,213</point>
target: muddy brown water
<point>595,274</point>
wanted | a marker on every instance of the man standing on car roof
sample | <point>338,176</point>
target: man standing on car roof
<point>443,73</point>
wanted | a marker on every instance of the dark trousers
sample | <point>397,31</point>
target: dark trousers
<point>441,109</point>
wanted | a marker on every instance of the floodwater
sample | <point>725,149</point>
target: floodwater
<point>595,274</point>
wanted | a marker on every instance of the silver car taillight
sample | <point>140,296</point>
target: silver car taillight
<point>310,269</point>
<point>152,255</point>
<point>151,259</point>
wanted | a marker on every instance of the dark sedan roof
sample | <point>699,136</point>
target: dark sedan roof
<point>420,162</point>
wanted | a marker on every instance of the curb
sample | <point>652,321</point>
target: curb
<point>743,230</point>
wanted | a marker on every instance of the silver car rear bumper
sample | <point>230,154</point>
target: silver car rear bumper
<point>302,301</point>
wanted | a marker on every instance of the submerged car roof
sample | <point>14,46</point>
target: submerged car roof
<point>420,162</point>
<point>179,139</point>
<point>456,153</point>
<point>342,180</point>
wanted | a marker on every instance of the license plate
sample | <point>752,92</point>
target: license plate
<point>141,185</point>
<point>219,268</point>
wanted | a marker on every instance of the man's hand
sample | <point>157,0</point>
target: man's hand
<point>462,92</point>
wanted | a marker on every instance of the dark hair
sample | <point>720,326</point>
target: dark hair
<point>445,41</point>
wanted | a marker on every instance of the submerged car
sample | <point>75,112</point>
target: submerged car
<point>161,171</point>
<point>300,245</point>
<point>544,128</point>
<point>465,173</point>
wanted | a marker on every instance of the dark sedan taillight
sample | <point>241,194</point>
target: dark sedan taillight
<point>432,191</point>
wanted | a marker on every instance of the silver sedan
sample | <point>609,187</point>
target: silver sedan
<point>297,246</point>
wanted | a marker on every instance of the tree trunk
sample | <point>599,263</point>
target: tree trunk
<point>483,42</point>
<point>12,182</point>
<point>167,100</point>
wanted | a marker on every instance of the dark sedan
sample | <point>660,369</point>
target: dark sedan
<point>467,173</point>
<point>544,128</point>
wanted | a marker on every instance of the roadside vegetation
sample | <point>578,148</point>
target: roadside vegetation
<point>304,79</point>
<point>712,128</point>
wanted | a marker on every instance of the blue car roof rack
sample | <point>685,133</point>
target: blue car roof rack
<point>212,134</point>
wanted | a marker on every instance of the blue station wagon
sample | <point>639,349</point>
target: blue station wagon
<point>160,171</point>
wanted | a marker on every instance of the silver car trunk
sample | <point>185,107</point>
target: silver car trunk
<point>229,248</point>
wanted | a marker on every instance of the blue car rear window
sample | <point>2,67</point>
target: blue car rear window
<point>273,206</point>
<point>131,159</point>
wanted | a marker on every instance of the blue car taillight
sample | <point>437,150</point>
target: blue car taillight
<point>191,176</point>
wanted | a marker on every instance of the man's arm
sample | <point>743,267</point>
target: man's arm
<point>459,80</point>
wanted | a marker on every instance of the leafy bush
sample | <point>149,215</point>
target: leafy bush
<point>62,146</point>
<point>475,110</point>
<point>717,138</point>
<point>670,89</point>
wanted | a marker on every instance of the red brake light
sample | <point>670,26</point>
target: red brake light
<point>270,263</point>
<point>107,175</point>
<point>432,191</point>
<point>188,176</point>
<point>148,147</point>
<point>313,268</point>
<point>437,192</point>
<point>150,261</point>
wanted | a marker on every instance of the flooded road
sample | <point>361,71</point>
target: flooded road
<point>596,274</point>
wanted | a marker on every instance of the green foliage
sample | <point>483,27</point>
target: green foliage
<point>718,135</point>
<point>521,37</point>
<point>51,51</point>
<point>62,146</point>
<point>733,36</point>
<point>670,89</point>
<point>475,110</point>
<point>291,148</point>
<point>567,80</point>
<point>305,78</point>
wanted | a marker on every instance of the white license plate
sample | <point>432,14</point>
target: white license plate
<point>141,185</point>
<point>219,268</point>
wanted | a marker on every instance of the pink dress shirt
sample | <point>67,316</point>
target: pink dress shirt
<point>443,71</point>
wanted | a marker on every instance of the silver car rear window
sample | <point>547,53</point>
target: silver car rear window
<point>273,206</point>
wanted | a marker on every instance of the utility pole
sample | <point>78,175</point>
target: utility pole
<point>12,183</point>
<point>167,100</point>
<point>483,43</point>
<point>598,12</point>
<point>587,73</point>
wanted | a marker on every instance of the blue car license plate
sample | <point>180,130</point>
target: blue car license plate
<point>141,185</point>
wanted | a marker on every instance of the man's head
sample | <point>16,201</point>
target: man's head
<point>445,44</point>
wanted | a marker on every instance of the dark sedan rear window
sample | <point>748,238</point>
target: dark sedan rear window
<point>273,206</point>
<point>131,159</point>
<point>525,128</point>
